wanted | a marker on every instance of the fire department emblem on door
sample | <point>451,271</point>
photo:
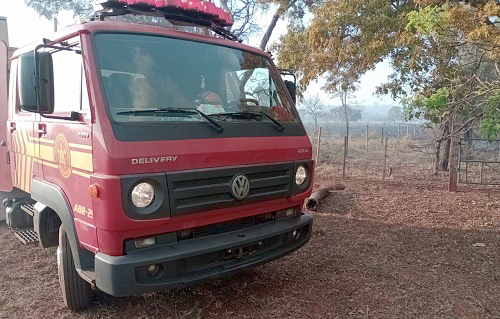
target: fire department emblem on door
<point>62,156</point>
<point>240,187</point>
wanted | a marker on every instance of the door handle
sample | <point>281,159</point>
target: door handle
<point>12,127</point>
<point>42,130</point>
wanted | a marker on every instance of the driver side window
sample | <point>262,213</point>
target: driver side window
<point>70,87</point>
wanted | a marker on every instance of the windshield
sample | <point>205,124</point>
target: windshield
<point>142,72</point>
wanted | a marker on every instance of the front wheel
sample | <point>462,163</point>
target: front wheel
<point>77,293</point>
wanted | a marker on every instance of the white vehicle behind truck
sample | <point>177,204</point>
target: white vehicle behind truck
<point>4,35</point>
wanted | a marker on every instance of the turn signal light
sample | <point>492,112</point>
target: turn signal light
<point>94,190</point>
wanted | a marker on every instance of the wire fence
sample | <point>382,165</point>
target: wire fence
<point>479,161</point>
<point>476,161</point>
<point>383,144</point>
<point>375,130</point>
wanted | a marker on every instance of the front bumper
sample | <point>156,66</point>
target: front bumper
<point>192,261</point>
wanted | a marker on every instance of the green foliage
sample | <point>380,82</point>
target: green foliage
<point>437,101</point>
<point>432,108</point>
<point>426,20</point>
<point>490,123</point>
<point>490,127</point>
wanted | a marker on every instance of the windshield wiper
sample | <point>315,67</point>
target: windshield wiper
<point>219,128</point>
<point>252,115</point>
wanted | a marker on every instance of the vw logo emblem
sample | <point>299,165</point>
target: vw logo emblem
<point>240,187</point>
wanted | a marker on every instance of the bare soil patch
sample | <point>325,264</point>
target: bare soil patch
<point>403,249</point>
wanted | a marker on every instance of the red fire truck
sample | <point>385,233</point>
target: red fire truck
<point>152,158</point>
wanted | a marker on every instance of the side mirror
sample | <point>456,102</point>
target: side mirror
<point>28,93</point>
<point>292,89</point>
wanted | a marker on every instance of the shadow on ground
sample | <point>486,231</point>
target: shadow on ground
<point>354,268</point>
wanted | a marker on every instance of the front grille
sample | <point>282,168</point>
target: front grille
<point>209,189</point>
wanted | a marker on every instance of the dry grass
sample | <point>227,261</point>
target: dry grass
<point>403,249</point>
<point>403,151</point>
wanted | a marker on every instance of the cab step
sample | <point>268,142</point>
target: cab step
<point>88,276</point>
<point>27,236</point>
<point>28,209</point>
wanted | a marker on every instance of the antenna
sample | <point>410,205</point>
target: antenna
<point>178,12</point>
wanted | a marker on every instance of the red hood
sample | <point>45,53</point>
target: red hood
<point>121,158</point>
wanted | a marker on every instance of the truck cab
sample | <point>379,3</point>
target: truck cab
<point>152,158</point>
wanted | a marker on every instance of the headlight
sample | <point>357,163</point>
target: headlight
<point>142,195</point>
<point>300,175</point>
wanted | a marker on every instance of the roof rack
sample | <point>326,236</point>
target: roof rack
<point>178,12</point>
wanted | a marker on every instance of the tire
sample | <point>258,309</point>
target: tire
<point>77,293</point>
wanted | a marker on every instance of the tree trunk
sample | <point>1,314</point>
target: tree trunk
<point>443,165</point>
<point>343,99</point>
<point>446,155</point>
<point>312,203</point>
<point>277,15</point>
<point>270,29</point>
<point>454,154</point>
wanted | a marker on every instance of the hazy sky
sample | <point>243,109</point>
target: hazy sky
<point>25,26</point>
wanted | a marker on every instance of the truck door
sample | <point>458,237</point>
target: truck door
<point>66,145</point>
<point>5,173</point>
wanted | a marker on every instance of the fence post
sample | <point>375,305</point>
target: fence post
<point>481,173</point>
<point>382,139</point>
<point>385,159</point>
<point>399,130</point>
<point>453,164</point>
<point>345,157</point>
<point>318,148</point>
<point>407,129</point>
<point>366,137</point>
<point>414,131</point>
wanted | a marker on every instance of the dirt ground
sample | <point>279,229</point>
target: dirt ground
<point>403,249</point>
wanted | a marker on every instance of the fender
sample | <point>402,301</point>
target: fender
<point>53,197</point>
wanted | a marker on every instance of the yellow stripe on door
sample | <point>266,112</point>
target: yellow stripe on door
<point>79,160</point>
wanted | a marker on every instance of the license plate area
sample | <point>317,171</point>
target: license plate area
<point>243,251</point>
